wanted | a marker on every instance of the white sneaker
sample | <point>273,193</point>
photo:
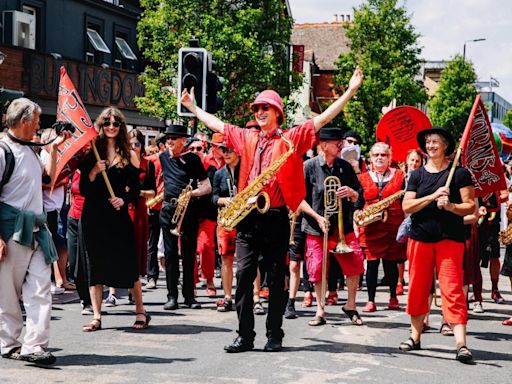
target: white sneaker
<point>87,310</point>
<point>478,308</point>
<point>110,301</point>
<point>57,290</point>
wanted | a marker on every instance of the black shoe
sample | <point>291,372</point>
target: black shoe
<point>193,304</point>
<point>290,312</point>
<point>43,358</point>
<point>239,345</point>
<point>171,304</point>
<point>273,345</point>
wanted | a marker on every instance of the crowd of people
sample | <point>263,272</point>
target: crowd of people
<point>260,201</point>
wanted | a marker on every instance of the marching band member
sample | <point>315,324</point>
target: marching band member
<point>179,169</point>
<point>437,238</point>
<point>327,163</point>
<point>263,152</point>
<point>378,239</point>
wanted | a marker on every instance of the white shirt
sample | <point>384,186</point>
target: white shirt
<point>24,189</point>
<point>52,200</point>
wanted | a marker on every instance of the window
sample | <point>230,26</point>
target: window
<point>125,49</point>
<point>124,57</point>
<point>95,46</point>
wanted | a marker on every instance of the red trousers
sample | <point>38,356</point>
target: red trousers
<point>446,256</point>
<point>206,247</point>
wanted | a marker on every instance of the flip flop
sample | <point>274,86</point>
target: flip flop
<point>317,320</point>
<point>353,315</point>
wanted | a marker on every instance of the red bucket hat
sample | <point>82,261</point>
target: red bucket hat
<point>272,98</point>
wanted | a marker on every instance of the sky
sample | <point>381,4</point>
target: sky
<point>444,26</point>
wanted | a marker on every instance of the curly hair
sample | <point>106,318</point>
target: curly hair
<point>122,142</point>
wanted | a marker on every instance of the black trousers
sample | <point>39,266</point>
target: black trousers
<point>79,266</point>
<point>264,235</point>
<point>154,235</point>
<point>187,247</point>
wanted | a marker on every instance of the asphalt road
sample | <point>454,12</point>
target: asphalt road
<point>185,346</point>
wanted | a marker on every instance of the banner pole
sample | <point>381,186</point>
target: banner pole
<point>103,173</point>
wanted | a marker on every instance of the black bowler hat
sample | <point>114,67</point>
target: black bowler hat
<point>176,130</point>
<point>420,137</point>
<point>331,134</point>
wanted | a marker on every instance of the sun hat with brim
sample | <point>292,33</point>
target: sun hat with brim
<point>421,138</point>
<point>176,130</point>
<point>217,139</point>
<point>331,134</point>
<point>272,98</point>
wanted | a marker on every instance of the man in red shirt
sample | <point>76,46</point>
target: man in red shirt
<point>267,234</point>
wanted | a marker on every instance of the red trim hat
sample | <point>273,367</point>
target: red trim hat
<point>272,98</point>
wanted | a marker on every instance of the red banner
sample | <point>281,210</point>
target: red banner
<point>71,109</point>
<point>298,58</point>
<point>399,127</point>
<point>479,153</point>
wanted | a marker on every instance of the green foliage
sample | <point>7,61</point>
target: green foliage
<point>451,105</point>
<point>384,45</point>
<point>507,119</point>
<point>248,39</point>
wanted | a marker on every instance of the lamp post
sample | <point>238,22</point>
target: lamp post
<point>470,41</point>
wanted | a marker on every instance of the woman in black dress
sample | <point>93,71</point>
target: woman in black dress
<point>107,230</point>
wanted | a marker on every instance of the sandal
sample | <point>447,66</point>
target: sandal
<point>13,354</point>
<point>353,315</point>
<point>258,308</point>
<point>317,320</point>
<point>142,324</point>
<point>409,345</point>
<point>93,326</point>
<point>68,286</point>
<point>446,330</point>
<point>464,355</point>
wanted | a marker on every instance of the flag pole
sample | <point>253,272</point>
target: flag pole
<point>103,173</point>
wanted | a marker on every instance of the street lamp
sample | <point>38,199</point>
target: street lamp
<point>470,41</point>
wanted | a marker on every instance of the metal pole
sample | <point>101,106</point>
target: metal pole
<point>464,52</point>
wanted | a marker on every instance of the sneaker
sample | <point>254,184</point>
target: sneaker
<point>258,308</point>
<point>332,298</point>
<point>87,310</point>
<point>224,305</point>
<point>57,290</point>
<point>399,289</point>
<point>43,358</point>
<point>370,307</point>
<point>496,296</point>
<point>394,305</point>
<point>478,308</point>
<point>151,284</point>
<point>111,301</point>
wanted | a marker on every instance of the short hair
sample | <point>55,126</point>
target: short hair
<point>21,108</point>
<point>381,145</point>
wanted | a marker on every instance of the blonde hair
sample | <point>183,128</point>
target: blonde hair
<point>382,146</point>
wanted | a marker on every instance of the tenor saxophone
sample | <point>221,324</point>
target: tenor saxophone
<point>377,211</point>
<point>252,197</point>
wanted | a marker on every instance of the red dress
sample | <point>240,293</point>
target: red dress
<point>139,214</point>
<point>379,239</point>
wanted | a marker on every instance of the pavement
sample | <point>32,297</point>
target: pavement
<point>186,346</point>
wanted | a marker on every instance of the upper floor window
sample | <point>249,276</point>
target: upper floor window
<point>123,53</point>
<point>95,46</point>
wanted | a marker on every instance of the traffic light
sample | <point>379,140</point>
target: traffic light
<point>214,85</point>
<point>192,70</point>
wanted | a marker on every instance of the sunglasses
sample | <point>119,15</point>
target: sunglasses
<point>136,144</point>
<point>379,154</point>
<point>264,107</point>
<point>108,123</point>
<point>351,141</point>
<point>172,138</point>
<point>226,150</point>
<point>196,149</point>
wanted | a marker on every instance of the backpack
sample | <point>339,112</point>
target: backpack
<point>9,164</point>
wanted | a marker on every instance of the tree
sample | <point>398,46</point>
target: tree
<point>507,119</point>
<point>384,44</point>
<point>248,40</point>
<point>451,105</point>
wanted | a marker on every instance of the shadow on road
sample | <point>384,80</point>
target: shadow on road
<point>93,359</point>
<point>176,329</point>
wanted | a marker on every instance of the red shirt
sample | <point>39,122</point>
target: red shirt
<point>77,200</point>
<point>209,160</point>
<point>303,138</point>
<point>155,159</point>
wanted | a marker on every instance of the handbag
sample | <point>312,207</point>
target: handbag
<point>404,230</point>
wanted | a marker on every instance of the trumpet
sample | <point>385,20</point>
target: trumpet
<point>150,203</point>
<point>181,208</point>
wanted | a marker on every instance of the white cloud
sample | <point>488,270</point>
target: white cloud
<point>444,26</point>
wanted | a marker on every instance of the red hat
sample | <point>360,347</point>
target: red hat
<point>270,97</point>
<point>217,138</point>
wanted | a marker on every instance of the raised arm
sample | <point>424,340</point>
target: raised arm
<point>330,113</point>
<point>211,121</point>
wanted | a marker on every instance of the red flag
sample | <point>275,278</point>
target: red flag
<point>71,109</point>
<point>479,153</point>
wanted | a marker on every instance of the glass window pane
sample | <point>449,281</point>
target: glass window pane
<point>96,41</point>
<point>125,49</point>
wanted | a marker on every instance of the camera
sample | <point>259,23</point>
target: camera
<point>61,126</point>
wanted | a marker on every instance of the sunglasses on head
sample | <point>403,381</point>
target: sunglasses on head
<point>108,123</point>
<point>196,149</point>
<point>263,107</point>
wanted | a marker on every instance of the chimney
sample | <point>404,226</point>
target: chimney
<point>335,18</point>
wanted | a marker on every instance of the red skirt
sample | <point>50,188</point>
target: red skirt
<point>139,216</point>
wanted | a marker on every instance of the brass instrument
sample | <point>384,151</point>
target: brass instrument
<point>293,223</point>
<point>181,208</point>
<point>252,196</point>
<point>506,235</point>
<point>377,211</point>
<point>150,203</point>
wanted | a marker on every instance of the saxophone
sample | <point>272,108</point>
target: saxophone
<point>251,196</point>
<point>506,235</point>
<point>377,211</point>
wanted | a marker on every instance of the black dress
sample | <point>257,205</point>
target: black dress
<point>107,233</point>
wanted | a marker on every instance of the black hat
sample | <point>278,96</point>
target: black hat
<point>331,134</point>
<point>355,135</point>
<point>420,137</point>
<point>160,138</point>
<point>176,130</point>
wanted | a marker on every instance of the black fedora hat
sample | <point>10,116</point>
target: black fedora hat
<point>176,130</point>
<point>420,137</point>
<point>329,133</point>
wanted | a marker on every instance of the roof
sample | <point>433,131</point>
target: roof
<point>323,41</point>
